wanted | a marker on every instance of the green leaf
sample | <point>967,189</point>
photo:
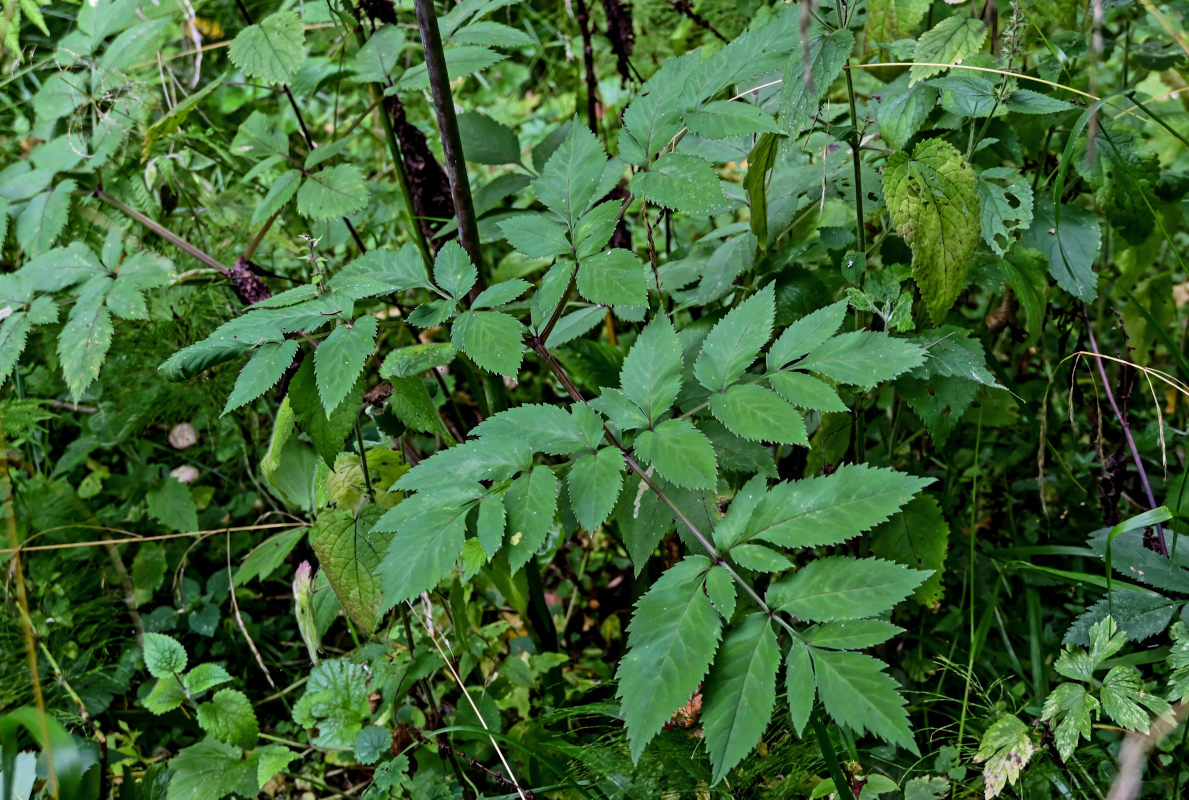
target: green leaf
<point>1006,210</point>
<point>338,191</point>
<point>173,506</point>
<point>1007,748</point>
<point>722,119</point>
<point>680,453</point>
<point>806,334</point>
<point>379,57</point>
<point>903,109</point>
<point>892,20</point>
<point>1026,101</point>
<point>411,361</point>
<point>651,374</point>
<point>1069,238</point>
<point>531,502</point>
<point>735,341</point>
<point>948,42</point>
<point>544,428</point>
<point>489,458</point>
<point>594,482</point>
<point>799,683</point>
<point>918,537</point>
<point>164,657</point>
<point>863,358</point>
<point>740,692</point>
<point>422,552</point>
<point>843,588</point>
<point>806,81</point>
<point>271,760</point>
<point>535,235</point>
<point>85,338</point>
<point>460,61</point>
<point>485,141</point>
<point>14,332</point>
<point>205,676</point>
<point>229,717</point>
<point>720,588</point>
<point>372,743</point>
<point>270,50</point>
<point>339,360</point>
<point>280,193</point>
<point>760,162</point>
<point>261,373</point>
<point>335,702</point>
<point>1122,687</point>
<point>573,176</point>
<point>349,548</point>
<point>327,432</point>
<point>211,770</point>
<point>44,218</point>
<point>596,227</point>
<point>855,634</point>
<point>453,270</point>
<point>671,642</point>
<point>166,695</point>
<point>934,205</point>
<point>759,414</point>
<point>381,271</point>
<point>805,391</point>
<point>830,509</point>
<point>614,277</point>
<point>492,339</point>
<point>491,523</point>
<point>680,182</point>
<point>858,693</point>
<point>1077,710</point>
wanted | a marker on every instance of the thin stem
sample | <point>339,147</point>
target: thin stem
<point>367,479</point>
<point>841,784</point>
<point>855,138</point>
<point>443,100</point>
<point>592,83</point>
<point>165,234</point>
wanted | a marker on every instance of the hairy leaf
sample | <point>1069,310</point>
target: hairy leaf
<point>228,716</point>
<point>948,42</point>
<point>350,549</point>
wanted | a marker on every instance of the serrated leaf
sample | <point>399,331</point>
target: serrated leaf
<point>680,182</point>
<point>1006,210</point>
<point>372,743</point>
<point>722,119</point>
<point>488,458</point>
<point>422,552</point>
<point>735,341</point>
<point>799,683</point>
<point>544,428</point>
<point>948,42</point>
<point>758,414</point>
<point>492,339</point>
<point>337,191</point>
<point>858,693</point>
<point>855,634</point>
<point>594,482</point>
<point>461,61</point>
<point>327,432</point>
<point>571,178</point>
<point>270,50</point>
<point>863,358</point>
<point>228,716</point>
<point>1027,101</point>
<point>903,109</point>
<point>918,537</point>
<point>377,60</point>
<point>1069,237</point>
<point>720,588</point>
<point>740,693</point>
<point>163,656</point>
<point>531,502</point>
<point>14,333</point>
<point>843,588</point>
<point>350,549</point>
<point>44,218</point>
<point>205,676</point>
<point>173,506</point>
<point>381,271</point>
<point>410,361</point>
<point>165,696</point>
<point>535,235</point>
<point>261,373</point>
<point>1006,748</point>
<point>85,338</point>
<point>453,270</point>
<point>680,453</point>
<point>651,374</point>
<point>806,80</point>
<point>934,205</point>
<point>491,523</point>
<point>280,193</point>
<point>339,360</point>
<point>211,770</point>
<point>1122,687</point>
<point>671,641</point>
<point>830,509</point>
<point>614,277</point>
<point>805,391</point>
<point>1077,710</point>
<point>806,334</point>
<point>485,141</point>
<point>891,20</point>
<point>270,760</point>
<point>623,413</point>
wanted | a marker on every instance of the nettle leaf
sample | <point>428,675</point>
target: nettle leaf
<point>671,641</point>
<point>891,20</point>
<point>492,339</point>
<point>902,110</point>
<point>531,503</point>
<point>422,552</point>
<point>228,716</point>
<point>594,482</point>
<point>948,42</point>
<point>740,693</point>
<point>934,205</point>
<point>339,360</point>
<point>163,656</point>
<point>722,119</point>
<point>338,191</point>
<point>843,588</point>
<point>575,175</point>
<point>261,373</point>
<point>680,453</point>
<point>350,549</point>
<point>272,49</point>
<point>680,182</point>
<point>614,277</point>
<point>758,414</point>
<point>858,693</point>
<point>453,270</point>
<point>536,235</point>
<point>917,537</point>
<point>205,676</point>
<point>736,340</point>
<point>807,81</point>
<point>829,509</point>
<point>1006,210</point>
<point>806,334</point>
<point>1069,237</point>
<point>651,373</point>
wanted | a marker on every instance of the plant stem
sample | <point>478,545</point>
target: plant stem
<point>855,138</point>
<point>165,234</point>
<point>367,478</point>
<point>443,101</point>
<point>841,784</point>
<point>592,82</point>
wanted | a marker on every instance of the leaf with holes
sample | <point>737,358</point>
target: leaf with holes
<point>1006,208</point>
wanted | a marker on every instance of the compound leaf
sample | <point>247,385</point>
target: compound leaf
<point>339,360</point>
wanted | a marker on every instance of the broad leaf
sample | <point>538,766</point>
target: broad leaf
<point>544,428</point>
<point>350,549</point>
<point>535,235</point>
<point>806,80</point>
<point>327,432</point>
<point>335,192</point>
<point>858,693</point>
<point>211,770</point>
<point>735,341</point>
<point>228,716</point>
<point>843,588</point>
<point>759,414</point>
<point>806,334</point>
<point>948,42</point>
<point>531,502</point>
<point>163,656</point>
<point>453,270</point>
<point>1006,209</point>
<point>614,277</point>
<point>261,373</point>
<point>723,119</point>
<point>270,50</point>
<point>805,391</point>
<point>1069,238</point>
<point>917,537</point>
<point>493,339</point>
<point>855,634</point>
<point>680,453</point>
<point>863,358</point>
<point>573,175</point>
<point>594,482</point>
<point>422,552</point>
<point>485,141</point>
<point>340,359</point>
<point>85,338</point>
<point>680,182</point>
<point>651,374</point>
